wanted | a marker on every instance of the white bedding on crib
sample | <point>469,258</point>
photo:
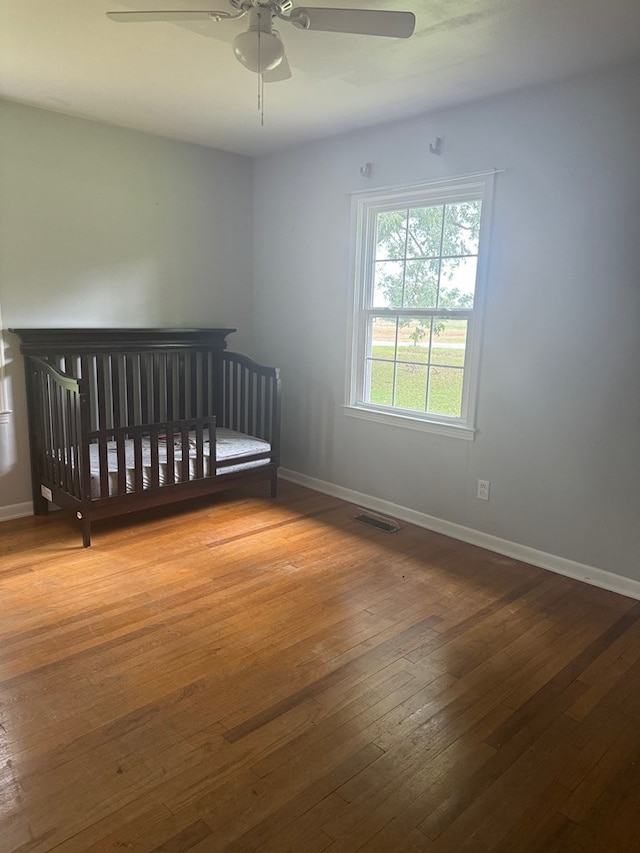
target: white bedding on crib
<point>229,445</point>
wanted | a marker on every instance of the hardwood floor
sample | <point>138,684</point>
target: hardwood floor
<point>256,675</point>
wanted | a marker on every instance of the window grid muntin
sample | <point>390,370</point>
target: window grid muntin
<point>372,225</point>
<point>428,365</point>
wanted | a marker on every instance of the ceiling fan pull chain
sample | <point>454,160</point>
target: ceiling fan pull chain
<point>259,75</point>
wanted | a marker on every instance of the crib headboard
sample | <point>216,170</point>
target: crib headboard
<point>137,376</point>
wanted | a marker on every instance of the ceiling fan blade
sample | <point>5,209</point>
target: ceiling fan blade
<point>166,17</point>
<point>368,22</point>
<point>280,72</point>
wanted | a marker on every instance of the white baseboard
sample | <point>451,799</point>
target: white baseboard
<point>560,565</point>
<point>16,511</point>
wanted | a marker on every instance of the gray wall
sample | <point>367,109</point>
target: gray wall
<point>559,408</point>
<point>101,226</point>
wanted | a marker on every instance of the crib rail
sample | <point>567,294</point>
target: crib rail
<point>59,406</point>
<point>249,399</point>
<point>141,387</point>
<point>160,441</point>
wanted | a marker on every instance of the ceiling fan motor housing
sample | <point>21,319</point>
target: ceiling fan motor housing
<point>258,48</point>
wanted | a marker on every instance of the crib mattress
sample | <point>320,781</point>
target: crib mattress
<point>229,445</point>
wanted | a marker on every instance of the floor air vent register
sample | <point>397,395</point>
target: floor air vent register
<point>380,522</point>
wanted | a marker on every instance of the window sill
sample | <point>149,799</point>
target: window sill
<point>407,422</point>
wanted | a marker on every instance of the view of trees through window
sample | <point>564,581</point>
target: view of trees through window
<point>421,299</point>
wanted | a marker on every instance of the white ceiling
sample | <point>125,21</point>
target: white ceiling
<point>65,55</point>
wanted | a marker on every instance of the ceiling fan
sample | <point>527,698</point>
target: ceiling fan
<point>260,49</point>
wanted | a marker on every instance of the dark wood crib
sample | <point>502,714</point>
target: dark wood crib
<point>123,419</point>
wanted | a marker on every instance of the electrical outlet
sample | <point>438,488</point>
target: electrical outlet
<point>483,490</point>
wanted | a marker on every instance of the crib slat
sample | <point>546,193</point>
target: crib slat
<point>205,397</point>
<point>226,395</point>
<point>171,378</point>
<point>269,411</point>
<point>242,423</point>
<point>101,390</point>
<point>186,465</point>
<point>78,417</point>
<point>230,391</point>
<point>71,439</point>
<point>78,444</point>
<point>45,407</point>
<point>85,370</point>
<point>229,402</point>
<point>199,452</point>
<point>66,410</point>
<point>237,396</point>
<point>182,385</point>
<point>65,471</point>
<point>164,362</point>
<point>259,404</point>
<point>49,401</point>
<point>58,447</point>
<point>59,438</point>
<point>137,463</point>
<point>155,366</point>
<point>130,388</point>
<point>193,385</point>
<point>213,448</point>
<point>155,457</point>
<point>103,467</point>
<point>116,392</point>
<point>171,455</point>
<point>253,382</point>
<point>71,431</point>
<point>68,418</point>
<point>72,417</point>
<point>121,455</point>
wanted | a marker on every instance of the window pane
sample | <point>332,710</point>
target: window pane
<point>414,334</point>
<point>391,235</point>
<point>424,232</point>
<point>461,228</point>
<point>388,283</point>
<point>380,382</point>
<point>383,337</point>
<point>445,391</point>
<point>421,284</point>
<point>457,283</point>
<point>411,386</point>
<point>449,342</point>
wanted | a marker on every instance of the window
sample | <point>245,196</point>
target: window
<point>419,267</point>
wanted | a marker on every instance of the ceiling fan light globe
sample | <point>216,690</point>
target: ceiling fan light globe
<point>259,57</point>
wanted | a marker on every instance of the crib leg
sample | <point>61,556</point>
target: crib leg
<point>86,528</point>
<point>274,486</point>
<point>40,504</point>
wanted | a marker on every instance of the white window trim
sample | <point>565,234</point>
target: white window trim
<point>364,208</point>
